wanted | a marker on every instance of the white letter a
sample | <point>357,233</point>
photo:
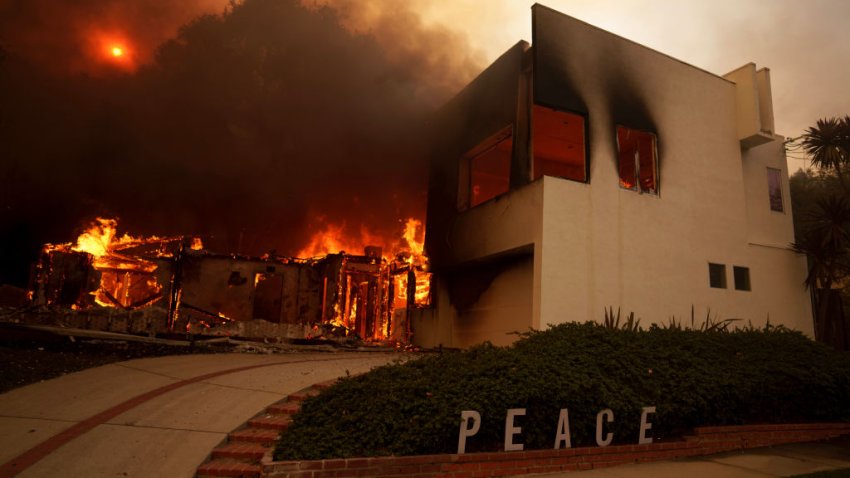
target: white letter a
<point>562,433</point>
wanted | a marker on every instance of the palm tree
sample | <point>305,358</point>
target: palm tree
<point>826,242</point>
<point>828,145</point>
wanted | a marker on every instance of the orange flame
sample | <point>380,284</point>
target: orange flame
<point>335,238</point>
<point>125,280</point>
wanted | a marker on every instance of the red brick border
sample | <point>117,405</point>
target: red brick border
<point>705,441</point>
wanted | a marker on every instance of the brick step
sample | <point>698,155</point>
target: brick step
<point>271,422</point>
<point>303,394</point>
<point>286,408</point>
<point>241,451</point>
<point>254,435</point>
<point>228,467</point>
<point>240,457</point>
<point>325,385</point>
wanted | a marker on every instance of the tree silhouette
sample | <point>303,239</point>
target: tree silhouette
<point>823,226</point>
<point>828,145</point>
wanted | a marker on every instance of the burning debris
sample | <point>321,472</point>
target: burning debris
<point>180,286</point>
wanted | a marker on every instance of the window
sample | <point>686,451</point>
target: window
<point>742,277</point>
<point>485,171</point>
<point>558,144</point>
<point>774,189</point>
<point>637,159</point>
<point>717,275</point>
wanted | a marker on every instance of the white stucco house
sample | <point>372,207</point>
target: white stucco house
<point>586,171</point>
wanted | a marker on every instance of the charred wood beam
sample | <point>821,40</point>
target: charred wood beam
<point>144,302</point>
<point>203,311</point>
<point>115,302</point>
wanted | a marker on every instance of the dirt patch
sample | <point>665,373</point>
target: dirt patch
<point>34,358</point>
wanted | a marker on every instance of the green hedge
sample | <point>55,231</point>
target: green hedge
<point>693,378</point>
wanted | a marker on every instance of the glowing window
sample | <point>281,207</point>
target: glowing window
<point>486,170</point>
<point>558,143</point>
<point>637,159</point>
<point>774,189</point>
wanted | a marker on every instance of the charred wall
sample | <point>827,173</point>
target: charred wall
<point>485,106</point>
<point>246,289</point>
<point>572,74</point>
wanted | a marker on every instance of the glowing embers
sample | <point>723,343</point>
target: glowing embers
<point>485,171</point>
<point>421,282</point>
<point>127,289</point>
<point>638,162</point>
<point>558,144</point>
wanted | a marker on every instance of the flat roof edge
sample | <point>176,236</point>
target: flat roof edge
<point>715,75</point>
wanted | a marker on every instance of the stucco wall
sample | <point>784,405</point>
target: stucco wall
<point>606,246</point>
<point>767,227</point>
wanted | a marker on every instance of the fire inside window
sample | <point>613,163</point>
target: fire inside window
<point>485,171</point>
<point>558,142</point>
<point>637,160</point>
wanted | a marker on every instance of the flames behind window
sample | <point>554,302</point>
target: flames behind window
<point>558,144</point>
<point>485,171</point>
<point>637,160</point>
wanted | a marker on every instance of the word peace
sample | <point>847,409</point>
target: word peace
<point>471,423</point>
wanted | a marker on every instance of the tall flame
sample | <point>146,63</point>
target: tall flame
<point>99,239</point>
<point>413,231</point>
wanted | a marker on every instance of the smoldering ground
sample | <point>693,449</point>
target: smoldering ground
<point>249,127</point>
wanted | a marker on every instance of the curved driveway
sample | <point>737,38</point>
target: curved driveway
<point>152,417</point>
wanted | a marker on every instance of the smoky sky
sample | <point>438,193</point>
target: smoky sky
<point>249,127</point>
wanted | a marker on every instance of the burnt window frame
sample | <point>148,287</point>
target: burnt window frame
<point>585,117</point>
<point>655,163</point>
<point>781,193</point>
<point>464,183</point>
<point>724,283</point>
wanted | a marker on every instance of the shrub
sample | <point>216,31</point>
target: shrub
<point>693,378</point>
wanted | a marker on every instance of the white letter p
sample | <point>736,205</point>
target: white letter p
<point>466,430</point>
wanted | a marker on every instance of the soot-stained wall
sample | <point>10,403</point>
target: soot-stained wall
<point>484,107</point>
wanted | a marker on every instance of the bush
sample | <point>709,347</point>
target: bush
<point>693,378</point>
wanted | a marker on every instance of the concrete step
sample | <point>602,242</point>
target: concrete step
<point>254,435</point>
<point>228,467</point>
<point>272,422</point>
<point>250,452</point>
<point>286,408</point>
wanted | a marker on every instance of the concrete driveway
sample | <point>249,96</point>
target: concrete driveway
<point>152,417</point>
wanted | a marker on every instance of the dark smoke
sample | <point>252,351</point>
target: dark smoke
<point>245,128</point>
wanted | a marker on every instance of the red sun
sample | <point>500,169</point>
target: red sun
<point>118,53</point>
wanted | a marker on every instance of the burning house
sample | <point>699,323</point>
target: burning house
<point>173,284</point>
<point>586,171</point>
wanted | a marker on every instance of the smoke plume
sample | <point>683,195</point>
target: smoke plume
<point>252,124</point>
